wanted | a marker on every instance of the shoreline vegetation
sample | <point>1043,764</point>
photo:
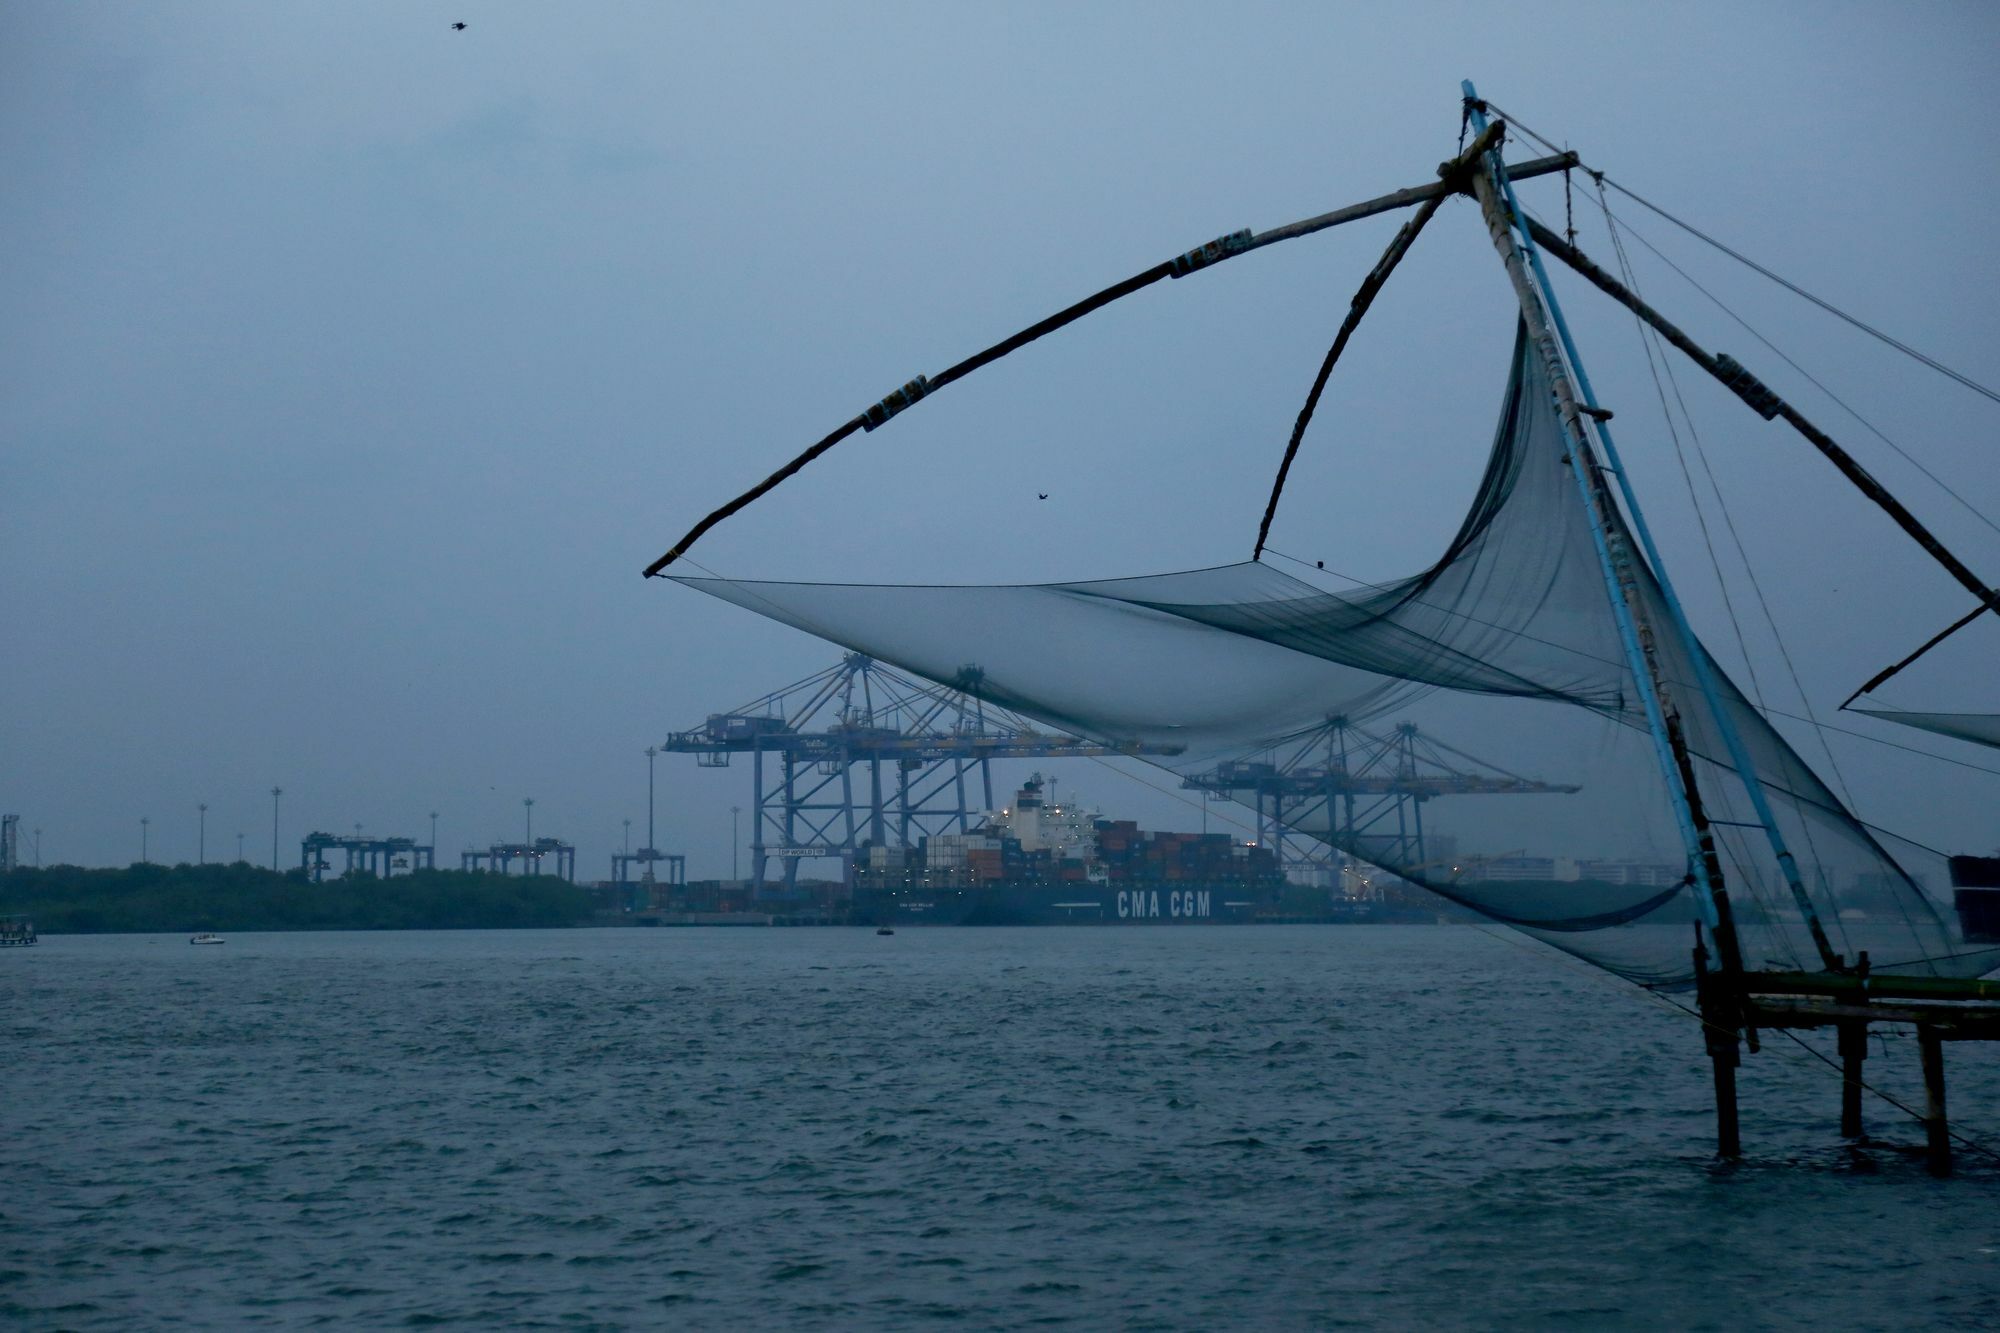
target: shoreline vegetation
<point>184,899</point>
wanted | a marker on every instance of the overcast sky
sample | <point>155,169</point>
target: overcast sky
<point>355,366</point>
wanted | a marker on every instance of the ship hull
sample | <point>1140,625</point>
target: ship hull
<point>1063,904</point>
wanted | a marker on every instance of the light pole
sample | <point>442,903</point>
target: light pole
<point>735,844</point>
<point>38,849</point>
<point>239,848</point>
<point>201,837</point>
<point>143,823</point>
<point>276,792</point>
<point>528,804</point>
<point>434,837</point>
<point>651,751</point>
<point>628,837</point>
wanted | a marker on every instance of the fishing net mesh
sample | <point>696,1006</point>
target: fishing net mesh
<point>1353,718</point>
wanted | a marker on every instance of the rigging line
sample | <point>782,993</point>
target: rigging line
<point>1797,290</point>
<point>1511,938</point>
<point>1877,740</point>
<point>1495,109</point>
<point>1826,1060</point>
<point>1729,519</point>
<point>1794,288</point>
<point>1932,958</point>
<point>1651,341</point>
<point>1809,377</point>
<point>1648,345</point>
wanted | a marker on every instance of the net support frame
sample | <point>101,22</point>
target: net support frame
<point>1739,755</point>
<point>1699,867</point>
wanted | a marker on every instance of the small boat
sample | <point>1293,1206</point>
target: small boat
<point>884,930</point>
<point>206,938</point>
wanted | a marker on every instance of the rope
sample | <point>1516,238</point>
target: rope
<point>1918,1116</point>
<point>1939,482</point>
<point>1893,745</point>
<point>1656,361</point>
<point>1729,520</point>
<point>1809,377</point>
<point>1745,260</point>
<point>1797,290</point>
<point>1653,365</point>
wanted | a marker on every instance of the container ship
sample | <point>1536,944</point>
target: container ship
<point>1039,863</point>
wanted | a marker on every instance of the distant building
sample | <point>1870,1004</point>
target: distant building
<point>1567,869</point>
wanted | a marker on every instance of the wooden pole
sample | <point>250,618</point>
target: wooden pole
<point>1415,194</point>
<point>1853,1050</point>
<point>1768,404</point>
<point>1938,1130</point>
<point>1193,261</point>
<point>1646,667</point>
<point>1724,1055</point>
<point>1453,174</point>
<point>1719,1013</point>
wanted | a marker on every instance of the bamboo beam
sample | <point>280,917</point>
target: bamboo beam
<point>1952,1023</point>
<point>1768,404</point>
<point>1453,180</point>
<point>1875,986</point>
<point>1203,256</point>
<point>1415,194</point>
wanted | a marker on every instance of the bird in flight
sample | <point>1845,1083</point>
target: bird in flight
<point>1041,495</point>
<point>458,27</point>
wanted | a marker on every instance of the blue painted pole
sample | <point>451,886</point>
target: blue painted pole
<point>1739,755</point>
<point>1628,638</point>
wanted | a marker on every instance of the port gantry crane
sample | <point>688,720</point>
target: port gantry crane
<point>1341,786</point>
<point>381,857</point>
<point>844,727</point>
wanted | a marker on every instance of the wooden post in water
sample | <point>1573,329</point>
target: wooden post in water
<point>1853,1050</point>
<point>1725,1049</point>
<point>1724,1053</point>
<point>1938,1130</point>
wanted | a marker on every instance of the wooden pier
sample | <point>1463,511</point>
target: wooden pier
<point>1735,1006</point>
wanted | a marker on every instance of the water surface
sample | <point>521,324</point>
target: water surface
<point>1325,1127</point>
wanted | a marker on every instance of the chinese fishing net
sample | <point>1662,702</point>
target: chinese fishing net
<point>1507,648</point>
